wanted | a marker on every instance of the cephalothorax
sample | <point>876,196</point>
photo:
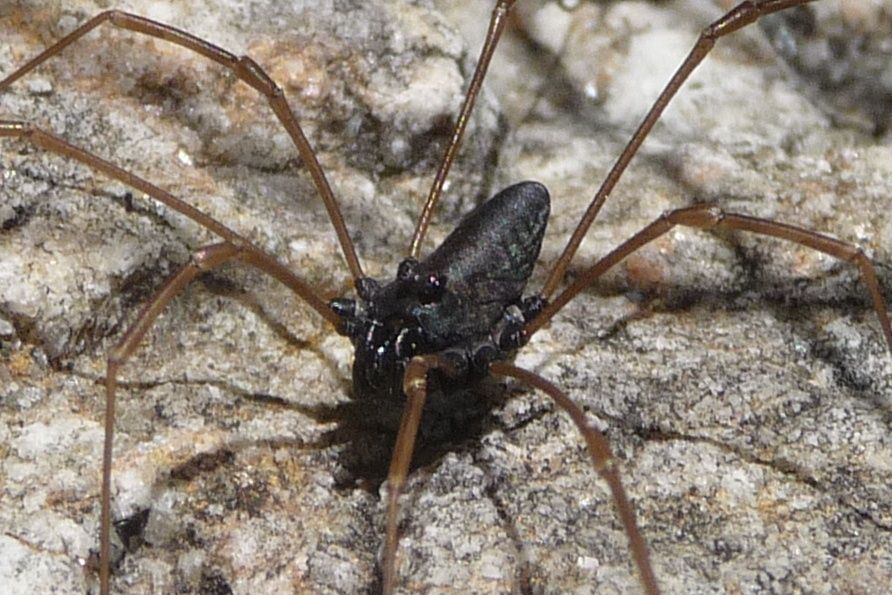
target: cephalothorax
<point>456,315</point>
<point>463,301</point>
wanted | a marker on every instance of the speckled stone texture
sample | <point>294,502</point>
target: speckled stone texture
<point>744,383</point>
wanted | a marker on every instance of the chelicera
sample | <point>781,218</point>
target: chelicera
<point>454,316</point>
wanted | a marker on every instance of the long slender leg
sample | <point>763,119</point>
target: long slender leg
<point>251,253</point>
<point>415,389</point>
<point>604,464</point>
<point>204,259</point>
<point>207,258</point>
<point>738,17</point>
<point>710,217</point>
<point>243,67</point>
<point>496,26</point>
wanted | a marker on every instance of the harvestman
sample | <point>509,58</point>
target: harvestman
<point>437,319</point>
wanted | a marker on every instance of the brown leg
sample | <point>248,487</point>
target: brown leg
<point>250,253</point>
<point>204,259</point>
<point>235,247</point>
<point>709,217</point>
<point>496,26</point>
<point>415,389</point>
<point>245,69</point>
<point>738,17</point>
<point>604,464</point>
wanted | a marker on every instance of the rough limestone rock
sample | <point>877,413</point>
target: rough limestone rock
<point>744,383</point>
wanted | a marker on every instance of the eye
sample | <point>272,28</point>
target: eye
<point>406,270</point>
<point>432,288</point>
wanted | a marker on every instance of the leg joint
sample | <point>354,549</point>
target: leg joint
<point>116,356</point>
<point>210,257</point>
<point>415,379</point>
<point>738,17</point>
<point>504,5</point>
<point>858,256</point>
<point>255,76</point>
<point>117,17</point>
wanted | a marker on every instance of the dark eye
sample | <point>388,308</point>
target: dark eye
<point>406,270</point>
<point>432,288</point>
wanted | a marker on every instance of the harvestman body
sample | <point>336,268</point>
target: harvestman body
<point>455,316</point>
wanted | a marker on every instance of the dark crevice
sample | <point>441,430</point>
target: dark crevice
<point>125,201</point>
<point>214,583</point>
<point>202,463</point>
<point>515,389</point>
<point>319,413</point>
<point>523,572</point>
<point>130,529</point>
<point>20,217</point>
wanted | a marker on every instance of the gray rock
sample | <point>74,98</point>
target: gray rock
<point>744,383</point>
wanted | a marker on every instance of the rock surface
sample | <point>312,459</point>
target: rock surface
<point>744,383</point>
